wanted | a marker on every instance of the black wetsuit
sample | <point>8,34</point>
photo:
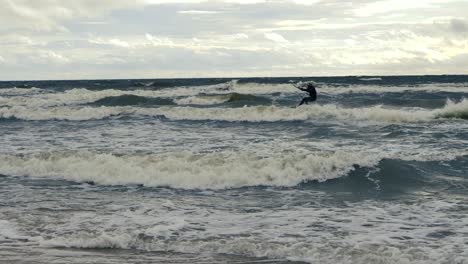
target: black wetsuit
<point>312,94</point>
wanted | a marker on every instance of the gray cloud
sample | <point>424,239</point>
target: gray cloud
<point>459,25</point>
<point>118,38</point>
<point>47,15</point>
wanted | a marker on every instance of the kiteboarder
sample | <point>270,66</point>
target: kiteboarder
<point>309,88</point>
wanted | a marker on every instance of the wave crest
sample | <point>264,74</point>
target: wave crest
<point>248,114</point>
<point>211,99</point>
<point>215,170</point>
<point>311,112</point>
<point>129,99</point>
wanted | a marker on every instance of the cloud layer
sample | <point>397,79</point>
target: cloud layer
<point>52,39</point>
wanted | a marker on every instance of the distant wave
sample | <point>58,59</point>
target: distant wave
<point>248,114</point>
<point>250,93</point>
<point>378,89</point>
<point>84,96</point>
<point>20,91</point>
<point>170,83</point>
<point>62,113</point>
<point>129,99</point>
<point>211,99</point>
<point>310,112</point>
<point>371,79</point>
<point>203,100</point>
<point>288,88</point>
<point>214,170</point>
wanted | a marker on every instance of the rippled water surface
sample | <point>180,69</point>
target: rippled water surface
<point>231,171</point>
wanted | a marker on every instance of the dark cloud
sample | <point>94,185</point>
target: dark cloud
<point>459,25</point>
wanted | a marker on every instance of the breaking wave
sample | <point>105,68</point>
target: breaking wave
<point>263,88</point>
<point>249,114</point>
<point>203,100</point>
<point>311,112</point>
<point>249,93</point>
<point>61,113</point>
<point>128,99</point>
<point>85,96</point>
<point>20,91</point>
<point>187,170</point>
<point>371,79</point>
<point>378,89</point>
<point>211,99</point>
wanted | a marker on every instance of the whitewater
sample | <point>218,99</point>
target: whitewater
<point>232,171</point>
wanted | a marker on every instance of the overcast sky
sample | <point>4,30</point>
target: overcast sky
<point>89,39</point>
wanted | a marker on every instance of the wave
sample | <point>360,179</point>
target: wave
<point>453,110</point>
<point>311,112</point>
<point>372,89</point>
<point>262,88</point>
<point>128,99</point>
<point>232,92</point>
<point>271,166</point>
<point>271,88</point>
<point>20,91</point>
<point>187,170</point>
<point>334,248</point>
<point>248,114</point>
<point>371,79</point>
<point>62,113</point>
<point>85,96</point>
<point>203,100</point>
<point>288,88</point>
<point>170,83</point>
<point>211,99</point>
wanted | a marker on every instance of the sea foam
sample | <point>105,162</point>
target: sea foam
<point>248,114</point>
<point>214,170</point>
<point>311,112</point>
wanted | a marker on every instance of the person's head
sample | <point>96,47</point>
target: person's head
<point>305,85</point>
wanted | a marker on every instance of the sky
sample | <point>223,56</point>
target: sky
<point>116,39</point>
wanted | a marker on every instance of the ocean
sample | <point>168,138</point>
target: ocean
<point>231,171</point>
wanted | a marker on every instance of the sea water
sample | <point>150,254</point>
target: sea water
<point>231,171</point>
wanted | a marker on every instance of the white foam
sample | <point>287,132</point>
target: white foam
<point>20,91</point>
<point>311,112</point>
<point>202,100</point>
<point>38,98</point>
<point>9,231</point>
<point>83,96</point>
<point>331,89</point>
<point>371,79</point>
<point>214,170</point>
<point>453,109</point>
<point>84,240</point>
<point>249,114</point>
<point>394,232</point>
<point>263,88</point>
<point>62,113</point>
<point>259,88</point>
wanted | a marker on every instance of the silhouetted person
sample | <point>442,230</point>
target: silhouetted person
<point>310,88</point>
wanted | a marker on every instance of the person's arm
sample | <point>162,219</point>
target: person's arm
<point>298,87</point>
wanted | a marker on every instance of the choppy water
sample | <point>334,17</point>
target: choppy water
<point>230,171</point>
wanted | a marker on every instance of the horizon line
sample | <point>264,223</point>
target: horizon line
<point>232,78</point>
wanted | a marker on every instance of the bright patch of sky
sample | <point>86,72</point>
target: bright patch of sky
<point>54,39</point>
